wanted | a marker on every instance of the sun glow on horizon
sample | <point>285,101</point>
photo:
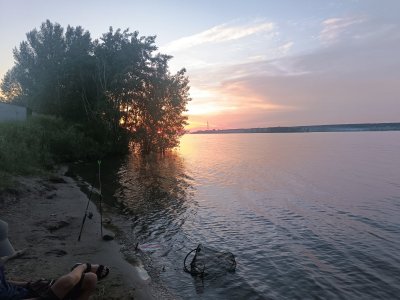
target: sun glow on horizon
<point>208,108</point>
<point>220,107</point>
<point>205,102</point>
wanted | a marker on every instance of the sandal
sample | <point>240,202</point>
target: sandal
<point>101,272</point>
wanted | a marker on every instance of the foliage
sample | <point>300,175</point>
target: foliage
<point>39,143</point>
<point>117,83</point>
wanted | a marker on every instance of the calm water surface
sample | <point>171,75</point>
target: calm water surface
<point>308,216</point>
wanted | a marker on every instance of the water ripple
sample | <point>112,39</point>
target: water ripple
<point>308,216</point>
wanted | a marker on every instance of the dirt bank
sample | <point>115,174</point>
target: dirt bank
<point>45,216</point>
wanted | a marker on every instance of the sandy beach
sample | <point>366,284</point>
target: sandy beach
<point>45,216</point>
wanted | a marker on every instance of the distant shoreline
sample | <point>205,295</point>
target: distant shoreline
<point>310,128</point>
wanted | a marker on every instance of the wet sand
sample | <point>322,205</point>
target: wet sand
<point>45,217</point>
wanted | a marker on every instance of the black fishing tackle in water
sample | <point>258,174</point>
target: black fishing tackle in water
<point>207,261</point>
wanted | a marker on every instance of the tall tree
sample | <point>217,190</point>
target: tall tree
<point>118,85</point>
<point>79,89</point>
<point>38,68</point>
<point>158,111</point>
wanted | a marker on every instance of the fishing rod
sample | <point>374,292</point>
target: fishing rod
<point>101,200</point>
<point>89,215</point>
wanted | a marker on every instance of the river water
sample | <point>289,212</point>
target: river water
<point>307,215</point>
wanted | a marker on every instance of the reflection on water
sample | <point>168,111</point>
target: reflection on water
<point>158,193</point>
<point>307,215</point>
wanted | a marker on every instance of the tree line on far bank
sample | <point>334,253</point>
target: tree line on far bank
<point>118,87</point>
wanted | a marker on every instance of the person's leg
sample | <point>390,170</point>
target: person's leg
<point>66,283</point>
<point>88,286</point>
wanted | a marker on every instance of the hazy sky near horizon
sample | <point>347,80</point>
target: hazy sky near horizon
<point>252,63</point>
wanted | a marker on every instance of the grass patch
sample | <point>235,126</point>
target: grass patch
<point>36,145</point>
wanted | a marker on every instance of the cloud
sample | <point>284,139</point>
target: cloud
<point>333,28</point>
<point>355,79</point>
<point>217,34</point>
<point>285,48</point>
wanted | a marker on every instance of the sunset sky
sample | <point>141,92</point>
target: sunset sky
<point>252,63</point>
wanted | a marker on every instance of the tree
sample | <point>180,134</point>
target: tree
<point>157,116</point>
<point>11,89</point>
<point>38,68</point>
<point>121,62</point>
<point>117,86</point>
<point>79,87</point>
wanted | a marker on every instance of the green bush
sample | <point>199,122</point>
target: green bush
<point>37,144</point>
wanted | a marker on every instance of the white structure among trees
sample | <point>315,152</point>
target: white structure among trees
<point>9,112</point>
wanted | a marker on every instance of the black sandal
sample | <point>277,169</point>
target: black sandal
<point>102,272</point>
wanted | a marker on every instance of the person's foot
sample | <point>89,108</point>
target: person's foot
<point>100,270</point>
